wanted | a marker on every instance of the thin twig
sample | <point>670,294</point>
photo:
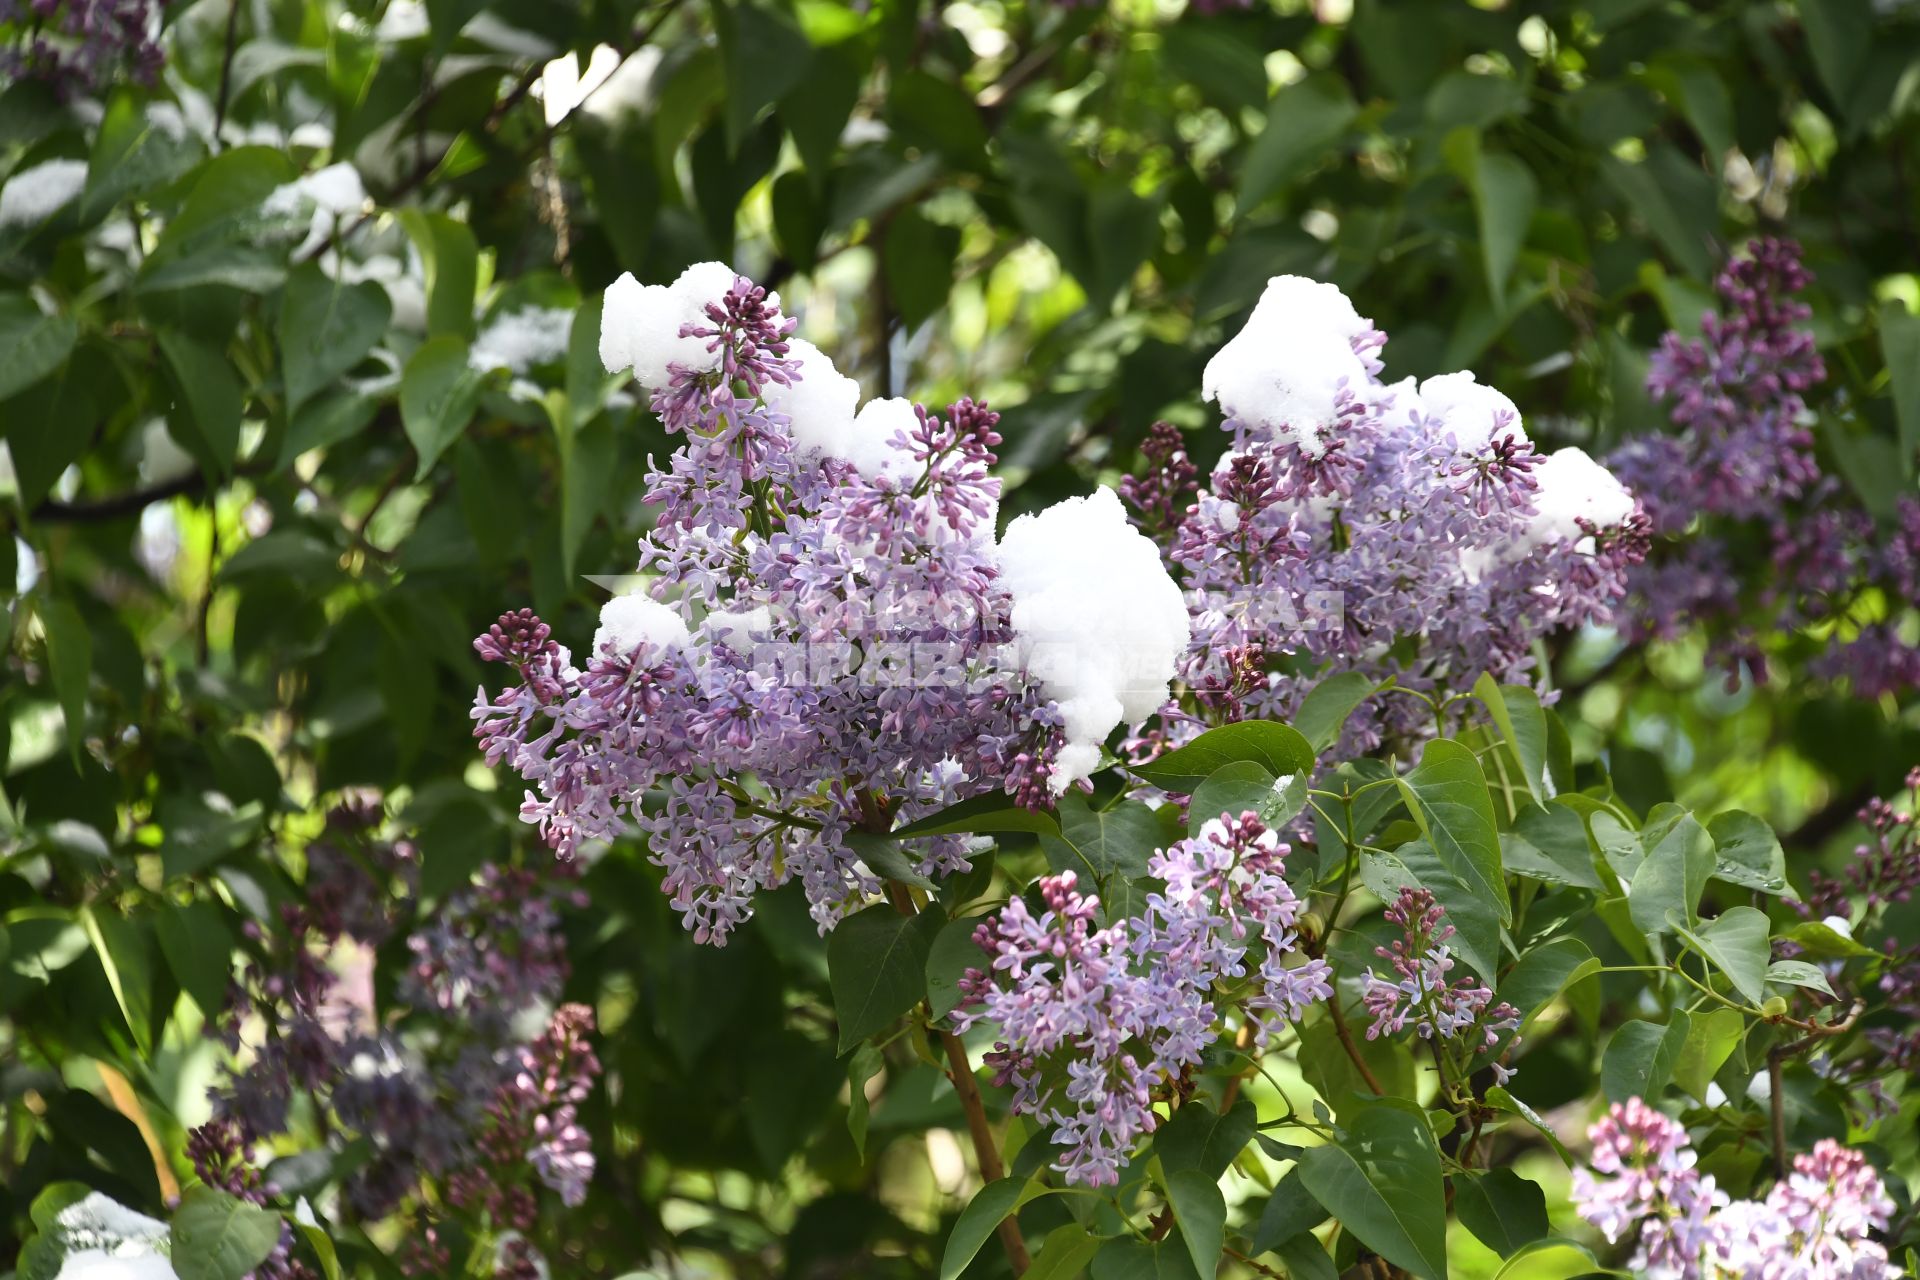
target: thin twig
<point>226,69</point>
<point>1353,1050</point>
<point>119,505</point>
<point>1776,1060</point>
<point>985,1150</point>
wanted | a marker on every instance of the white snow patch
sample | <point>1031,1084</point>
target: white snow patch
<point>31,196</point>
<point>640,323</point>
<point>1096,618</point>
<point>1283,371</point>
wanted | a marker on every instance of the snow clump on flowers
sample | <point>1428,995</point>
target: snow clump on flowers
<point>1090,1021</point>
<point>1405,531</point>
<point>828,640</point>
<point>1098,620</point>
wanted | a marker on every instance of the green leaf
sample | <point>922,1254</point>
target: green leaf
<point>450,258</point>
<point>1323,712</point>
<point>863,1065</point>
<point>978,1221</point>
<point>1064,1254</point>
<point>1549,843</point>
<point>1640,1058</point>
<point>70,662</point>
<point>989,814</point>
<point>1798,973</point>
<point>1304,120</point>
<point>1544,972</point>
<point>1710,1042</point>
<point>327,419</point>
<point>1279,748</point>
<point>1818,938</point>
<point>1198,1137</point>
<point>220,1237</point>
<point>1129,1259</point>
<point>1448,796</point>
<point>1219,62</point>
<point>919,257</point>
<point>43,424</point>
<point>1102,842</point>
<point>1839,35</point>
<point>764,54</point>
<point>1306,1258</point>
<point>953,953</point>
<point>1383,1181</point>
<point>325,329</point>
<point>1668,884</point>
<point>1516,710</point>
<point>32,344</point>
<point>438,393</point>
<point>1675,198</point>
<point>1736,942</point>
<point>198,947</point>
<point>1552,1260</point>
<point>877,967</point>
<point>1476,939</point>
<point>1289,1212</point>
<point>1500,1100</point>
<point>1200,1211</point>
<point>210,392</point>
<point>1504,1211</point>
<point>125,952</point>
<point>322,1245</point>
<point>1232,789</point>
<point>1747,852</point>
<point>1900,344</point>
<point>132,155</point>
<point>888,859</point>
<point>1504,196</point>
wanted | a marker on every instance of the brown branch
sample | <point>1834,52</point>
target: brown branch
<point>226,70</point>
<point>119,505</point>
<point>985,1150</point>
<point>1353,1050</point>
<point>1776,1060</point>
<point>419,174</point>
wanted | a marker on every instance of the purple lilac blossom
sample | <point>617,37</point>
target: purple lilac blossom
<point>1816,1223</point>
<point>1419,990</point>
<point>81,46</point>
<point>1090,1021</point>
<point>302,1020</point>
<point>1406,530</point>
<point>1742,467</point>
<point>819,649</point>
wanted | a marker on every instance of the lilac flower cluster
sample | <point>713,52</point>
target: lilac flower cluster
<point>1092,1023</point>
<point>1742,468</point>
<point>1737,393</point>
<point>1885,867</point>
<point>1420,991</point>
<point>1815,1224</point>
<point>414,1079</point>
<point>1403,530</point>
<point>81,46</point>
<point>532,1125</point>
<point>830,639</point>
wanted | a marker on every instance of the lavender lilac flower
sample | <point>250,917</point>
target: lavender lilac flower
<point>1816,1223</point>
<point>1741,469</point>
<point>1403,530</point>
<point>1093,1023</point>
<point>829,640</point>
<point>441,1082</point>
<point>1419,989</point>
<point>81,46</point>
